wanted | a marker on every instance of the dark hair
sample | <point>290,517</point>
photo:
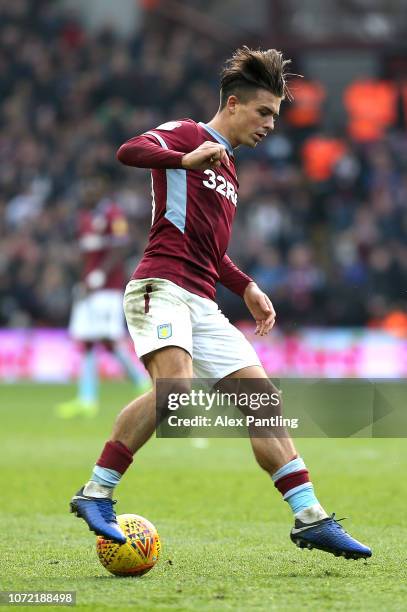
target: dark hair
<point>251,69</point>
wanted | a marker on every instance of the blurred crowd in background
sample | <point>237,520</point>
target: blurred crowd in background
<point>322,216</point>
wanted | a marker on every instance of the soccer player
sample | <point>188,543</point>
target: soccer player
<point>169,303</point>
<point>97,312</point>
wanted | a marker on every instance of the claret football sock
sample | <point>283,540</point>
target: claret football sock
<point>292,480</point>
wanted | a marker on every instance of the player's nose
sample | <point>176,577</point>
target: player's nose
<point>269,125</point>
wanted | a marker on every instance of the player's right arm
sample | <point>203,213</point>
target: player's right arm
<point>147,151</point>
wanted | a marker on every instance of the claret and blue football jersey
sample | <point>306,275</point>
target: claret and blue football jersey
<point>193,210</point>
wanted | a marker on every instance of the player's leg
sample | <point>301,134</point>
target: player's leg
<point>136,423</point>
<point>88,387</point>
<point>123,357</point>
<point>159,323</point>
<point>133,427</point>
<point>86,401</point>
<point>114,331</point>
<point>91,320</point>
<point>273,447</point>
<point>275,453</point>
<point>221,352</point>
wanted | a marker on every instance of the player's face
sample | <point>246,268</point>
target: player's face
<point>253,120</point>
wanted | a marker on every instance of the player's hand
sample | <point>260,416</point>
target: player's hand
<point>95,280</point>
<point>260,307</point>
<point>207,155</point>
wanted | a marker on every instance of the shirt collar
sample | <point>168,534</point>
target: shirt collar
<point>221,139</point>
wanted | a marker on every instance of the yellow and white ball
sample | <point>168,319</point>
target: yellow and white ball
<point>140,552</point>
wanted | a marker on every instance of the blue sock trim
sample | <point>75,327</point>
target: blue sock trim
<point>301,497</point>
<point>296,490</point>
<point>292,466</point>
<point>88,378</point>
<point>105,476</point>
<point>127,363</point>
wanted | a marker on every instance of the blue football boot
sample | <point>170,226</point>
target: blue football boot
<point>99,514</point>
<point>328,535</point>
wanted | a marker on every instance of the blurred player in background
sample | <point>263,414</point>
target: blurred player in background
<point>175,323</point>
<point>97,311</point>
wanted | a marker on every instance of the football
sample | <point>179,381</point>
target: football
<point>138,555</point>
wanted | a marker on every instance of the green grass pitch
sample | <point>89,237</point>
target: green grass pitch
<point>223,526</point>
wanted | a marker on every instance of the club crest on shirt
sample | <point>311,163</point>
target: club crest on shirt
<point>164,331</point>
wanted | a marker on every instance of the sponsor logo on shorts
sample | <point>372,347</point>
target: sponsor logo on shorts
<point>164,331</point>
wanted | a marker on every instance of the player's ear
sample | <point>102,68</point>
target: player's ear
<point>232,104</point>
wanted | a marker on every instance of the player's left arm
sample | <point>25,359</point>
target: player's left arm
<point>257,302</point>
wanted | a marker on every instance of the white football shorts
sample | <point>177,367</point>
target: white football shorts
<point>159,313</point>
<point>98,316</point>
